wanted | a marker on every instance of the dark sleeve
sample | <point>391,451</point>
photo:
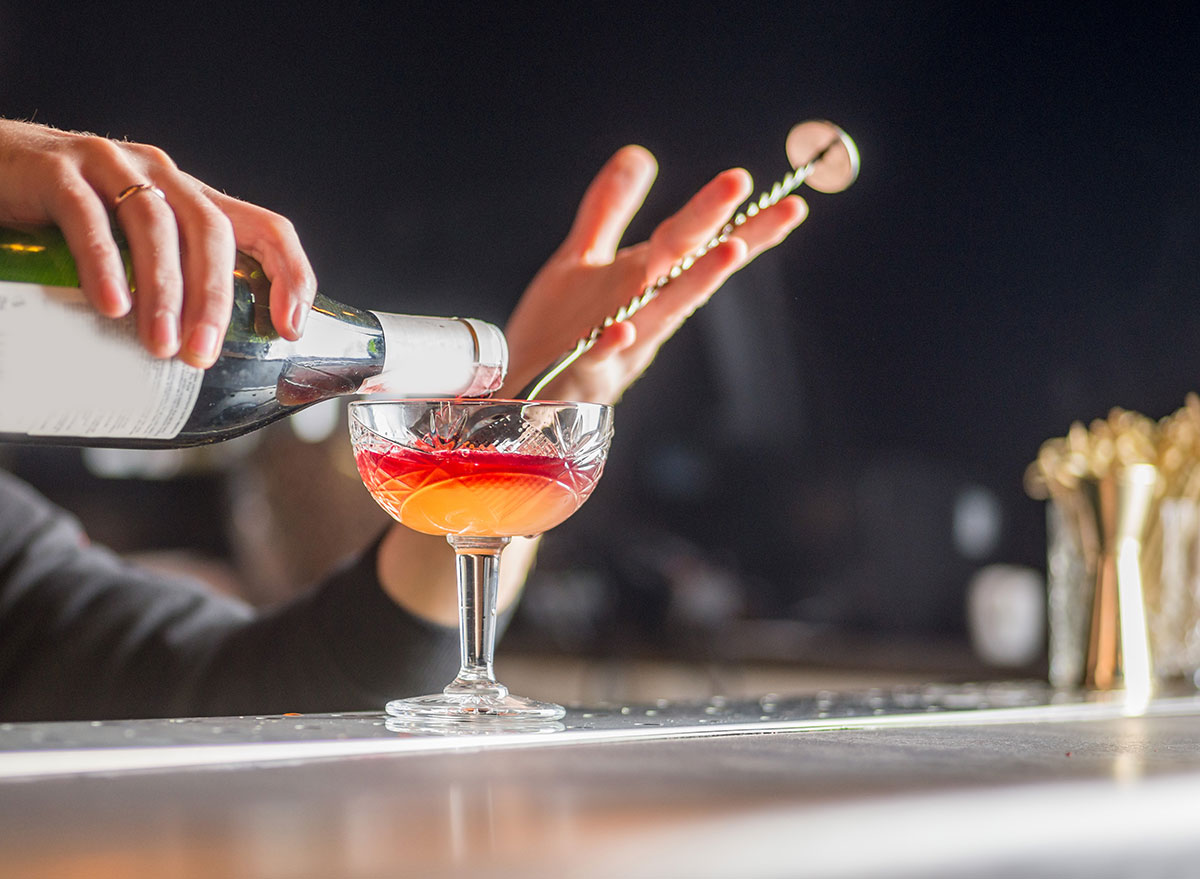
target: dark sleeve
<point>85,635</point>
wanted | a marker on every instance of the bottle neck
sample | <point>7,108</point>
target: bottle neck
<point>436,357</point>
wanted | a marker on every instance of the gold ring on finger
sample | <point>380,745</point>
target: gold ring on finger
<point>137,189</point>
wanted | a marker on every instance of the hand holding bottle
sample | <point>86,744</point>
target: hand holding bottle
<point>182,236</point>
<point>589,278</point>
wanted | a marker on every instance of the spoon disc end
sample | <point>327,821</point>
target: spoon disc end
<point>831,151</point>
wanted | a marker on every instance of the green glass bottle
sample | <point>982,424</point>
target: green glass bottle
<point>69,376</point>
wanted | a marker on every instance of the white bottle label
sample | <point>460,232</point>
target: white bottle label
<point>424,357</point>
<point>65,371</point>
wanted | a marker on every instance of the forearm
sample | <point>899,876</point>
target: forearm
<point>417,572</point>
<point>83,634</point>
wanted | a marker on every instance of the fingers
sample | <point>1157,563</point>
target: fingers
<point>272,240</point>
<point>148,221</point>
<point>585,281</point>
<point>769,227</point>
<point>679,299</point>
<point>677,237</point>
<point>626,349</point>
<point>610,203</point>
<point>698,221</point>
<point>761,232</point>
<point>691,289</point>
<point>182,246</point>
<point>153,237</point>
<point>83,220</point>
<point>208,252</point>
<point>613,340</point>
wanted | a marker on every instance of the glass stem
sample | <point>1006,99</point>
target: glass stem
<point>478,566</point>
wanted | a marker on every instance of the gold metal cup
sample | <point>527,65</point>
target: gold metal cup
<point>1109,518</point>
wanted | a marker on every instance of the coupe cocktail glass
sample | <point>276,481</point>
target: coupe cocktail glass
<point>479,472</point>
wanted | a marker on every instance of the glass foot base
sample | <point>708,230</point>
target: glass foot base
<point>478,726</point>
<point>468,708</point>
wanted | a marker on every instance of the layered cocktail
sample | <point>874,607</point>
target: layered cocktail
<point>479,472</point>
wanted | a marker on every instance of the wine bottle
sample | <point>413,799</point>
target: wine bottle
<point>69,376</point>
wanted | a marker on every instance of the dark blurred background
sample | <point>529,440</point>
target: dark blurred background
<point>826,455</point>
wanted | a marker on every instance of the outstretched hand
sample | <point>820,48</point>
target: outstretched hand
<point>181,244</point>
<point>588,278</point>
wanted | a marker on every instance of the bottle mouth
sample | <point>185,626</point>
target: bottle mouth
<point>491,357</point>
<point>439,357</point>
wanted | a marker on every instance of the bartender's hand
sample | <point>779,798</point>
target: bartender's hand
<point>585,280</point>
<point>588,278</point>
<point>182,236</point>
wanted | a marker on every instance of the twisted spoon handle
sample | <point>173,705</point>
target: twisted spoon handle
<point>771,197</point>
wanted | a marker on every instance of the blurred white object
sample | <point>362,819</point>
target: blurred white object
<point>163,464</point>
<point>977,522</point>
<point>134,463</point>
<point>318,422</point>
<point>1006,614</point>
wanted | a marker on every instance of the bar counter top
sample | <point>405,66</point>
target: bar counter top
<point>989,780</point>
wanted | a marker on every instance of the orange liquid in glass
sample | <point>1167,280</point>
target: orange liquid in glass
<point>476,492</point>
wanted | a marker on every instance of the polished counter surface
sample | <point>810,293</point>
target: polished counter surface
<point>995,780</point>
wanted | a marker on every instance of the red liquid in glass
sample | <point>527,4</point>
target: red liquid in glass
<point>476,492</point>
